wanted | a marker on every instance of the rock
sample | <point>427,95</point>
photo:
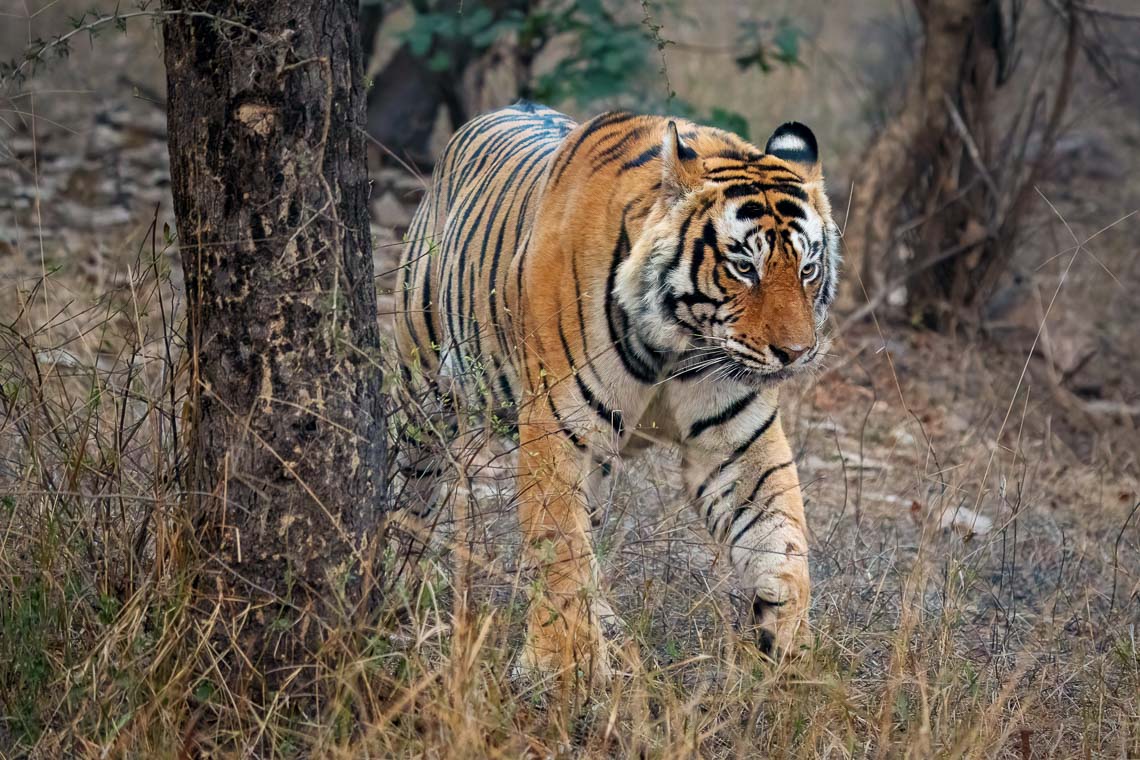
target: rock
<point>966,522</point>
<point>389,212</point>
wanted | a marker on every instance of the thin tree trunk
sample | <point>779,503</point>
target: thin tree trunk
<point>406,98</point>
<point>404,103</point>
<point>265,108</point>
<point>904,146</point>
<point>951,175</point>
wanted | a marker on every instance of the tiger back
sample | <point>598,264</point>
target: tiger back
<point>459,274</point>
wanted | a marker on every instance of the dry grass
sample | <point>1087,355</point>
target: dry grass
<point>1020,642</point>
<point>925,644</point>
<point>1017,642</point>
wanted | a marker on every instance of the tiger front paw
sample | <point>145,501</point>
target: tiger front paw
<point>567,638</point>
<point>780,597</point>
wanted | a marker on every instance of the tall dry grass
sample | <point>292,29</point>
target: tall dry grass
<point>923,644</point>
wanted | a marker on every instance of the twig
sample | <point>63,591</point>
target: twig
<point>1116,555</point>
<point>410,169</point>
<point>971,146</point>
<point>1107,13</point>
<point>120,18</point>
<point>883,293</point>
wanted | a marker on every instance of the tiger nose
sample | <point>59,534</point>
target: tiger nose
<point>788,354</point>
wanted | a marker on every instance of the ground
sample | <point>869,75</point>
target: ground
<point>972,498</point>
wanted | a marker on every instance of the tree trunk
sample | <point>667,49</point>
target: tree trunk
<point>406,98</point>
<point>265,108</point>
<point>942,181</point>
<point>905,146</point>
<point>909,138</point>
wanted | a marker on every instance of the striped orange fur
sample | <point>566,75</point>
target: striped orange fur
<point>587,283</point>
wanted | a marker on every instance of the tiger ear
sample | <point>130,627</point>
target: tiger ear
<point>794,142</point>
<point>680,173</point>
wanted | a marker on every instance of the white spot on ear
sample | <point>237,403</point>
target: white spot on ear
<point>786,142</point>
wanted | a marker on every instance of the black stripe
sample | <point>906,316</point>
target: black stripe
<point>610,417</point>
<point>760,513</point>
<point>716,171</point>
<point>644,158</point>
<point>429,314</point>
<point>613,153</point>
<point>695,262</point>
<point>505,387</point>
<point>618,322</point>
<point>737,515</point>
<point>708,234</point>
<point>613,117</point>
<point>796,156</point>
<point>729,153</point>
<point>788,208</point>
<point>752,210</point>
<point>723,416</point>
<point>734,178</point>
<point>737,452</point>
<point>764,477</point>
<point>796,192</point>
<point>827,292</point>
<point>741,190</point>
<point>529,182</point>
<point>714,501</point>
<point>680,249</point>
<point>558,417</point>
<point>462,281</point>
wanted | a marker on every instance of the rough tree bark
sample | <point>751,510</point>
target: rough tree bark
<point>265,109</point>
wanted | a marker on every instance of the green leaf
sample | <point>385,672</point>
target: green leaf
<point>787,43</point>
<point>477,20</point>
<point>418,39</point>
<point>204,691</point>
<point>439,61</point>
<point>729,120</point>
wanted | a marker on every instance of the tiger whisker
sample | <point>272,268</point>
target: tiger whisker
<point>691,368</point>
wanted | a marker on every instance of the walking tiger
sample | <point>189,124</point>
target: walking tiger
<point>586,282</point>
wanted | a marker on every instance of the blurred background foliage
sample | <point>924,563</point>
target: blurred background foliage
<point>937,119</point>
<point>438,56</point>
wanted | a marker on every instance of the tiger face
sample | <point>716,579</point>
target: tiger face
<point>740,257</point>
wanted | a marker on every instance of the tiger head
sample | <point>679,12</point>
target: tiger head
<point>737,263</point>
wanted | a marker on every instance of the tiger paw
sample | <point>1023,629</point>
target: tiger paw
<point>570,640</point>
<point>779,607</point>
<point>779,634</point>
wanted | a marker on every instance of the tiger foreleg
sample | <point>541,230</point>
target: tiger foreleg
<point>744,486</point>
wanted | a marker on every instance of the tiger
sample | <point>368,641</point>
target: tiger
<point>627,281</point>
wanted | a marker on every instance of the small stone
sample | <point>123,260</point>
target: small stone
<point>389,212</point>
